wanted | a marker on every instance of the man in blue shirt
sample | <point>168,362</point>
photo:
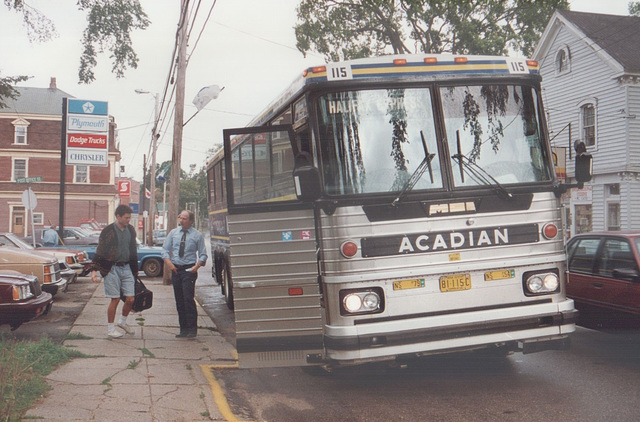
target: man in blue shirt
<point>50,237</point>
<point>184,252</point>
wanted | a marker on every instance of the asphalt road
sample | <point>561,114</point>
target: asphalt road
<point>597,379</point>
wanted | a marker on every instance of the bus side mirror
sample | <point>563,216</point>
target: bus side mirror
<point>584,164</point>
<point>306,179</point>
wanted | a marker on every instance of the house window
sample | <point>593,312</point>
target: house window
<point>19,168</point>
<point>38,218</point>
<point>20,137</point>
<point>563,61</point>
<point>613,216</point>
<point>82,174</point>
<point>588,121</point>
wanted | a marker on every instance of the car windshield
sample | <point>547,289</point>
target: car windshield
<point>14,241</point>
<point>83,232</point>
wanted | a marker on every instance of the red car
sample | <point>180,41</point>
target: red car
<point>604,273</point>
<point>21,299</point>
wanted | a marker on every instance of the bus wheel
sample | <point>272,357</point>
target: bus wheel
<point>226,285</point>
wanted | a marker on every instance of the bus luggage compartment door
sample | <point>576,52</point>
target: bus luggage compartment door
<point>278,314</point>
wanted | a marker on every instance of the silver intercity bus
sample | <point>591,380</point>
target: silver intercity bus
<point>393,207</point>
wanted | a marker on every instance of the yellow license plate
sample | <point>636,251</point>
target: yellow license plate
<point>455,282</point>
<point>408,284</point>
<point>499,275</point>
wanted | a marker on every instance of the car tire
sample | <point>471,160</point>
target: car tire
<point>152,267</point>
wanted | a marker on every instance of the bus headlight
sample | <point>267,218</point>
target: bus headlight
<point>358,302</point>
<point>541,282</point>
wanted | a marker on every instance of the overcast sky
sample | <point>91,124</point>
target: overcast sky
<point>247,47</point>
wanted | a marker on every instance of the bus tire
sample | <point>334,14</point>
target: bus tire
<point>226,285</point>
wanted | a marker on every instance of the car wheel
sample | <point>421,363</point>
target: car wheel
<point>152,267</point>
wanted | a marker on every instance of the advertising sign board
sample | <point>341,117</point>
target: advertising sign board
<point>87,133</point>
<point>124,188</point>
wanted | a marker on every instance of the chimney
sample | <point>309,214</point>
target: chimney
<point>52,84</point>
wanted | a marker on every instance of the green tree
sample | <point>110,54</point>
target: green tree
<point>346,29</point>
<point>634,8</point>
<point>109,27</point>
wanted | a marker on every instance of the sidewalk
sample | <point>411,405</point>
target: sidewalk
<point>150,376</point>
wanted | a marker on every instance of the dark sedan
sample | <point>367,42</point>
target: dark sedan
<point>604,274</point>
<point>21,299</point>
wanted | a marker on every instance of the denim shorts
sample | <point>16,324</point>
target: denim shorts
<point>119,279</point>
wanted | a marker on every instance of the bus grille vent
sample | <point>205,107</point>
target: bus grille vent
<point>281,356</point>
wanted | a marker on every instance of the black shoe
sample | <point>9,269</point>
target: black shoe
<point>182,335</point>
<point>191,335</point>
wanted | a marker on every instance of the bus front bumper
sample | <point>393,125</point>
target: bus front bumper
<point>528,329</point>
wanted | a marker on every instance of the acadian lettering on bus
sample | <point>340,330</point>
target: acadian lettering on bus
<point>87,132</point>
<point>449,240</point>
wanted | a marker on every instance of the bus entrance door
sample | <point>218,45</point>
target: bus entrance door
<point>272,252</point>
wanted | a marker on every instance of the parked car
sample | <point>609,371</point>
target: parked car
<point>91,225</point>
<point>70,236</point>
<point>158,237</point>
<point>149,257</point>
<point>21,299</point>
<point>604,273</point>
<point>71,258</point>
<point>40,264</point>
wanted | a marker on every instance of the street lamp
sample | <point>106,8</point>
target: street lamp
<point>152,179</point>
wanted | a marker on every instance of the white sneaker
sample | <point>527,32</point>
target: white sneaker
<point>115,333</point>
<point>127,329</point>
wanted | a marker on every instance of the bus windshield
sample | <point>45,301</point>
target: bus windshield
<point>373,141</point>
<point>494,135</point>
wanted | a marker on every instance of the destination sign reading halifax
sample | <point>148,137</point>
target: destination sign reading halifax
<point>449,240</point>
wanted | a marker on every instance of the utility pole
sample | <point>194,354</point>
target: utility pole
<point>143,192</point>
<point>178,119</point>
<point>152,203</point>
<point>148,237</point>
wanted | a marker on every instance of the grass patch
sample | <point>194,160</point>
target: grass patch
<point>23,366</point>
<point>147,352</point>
<point>77,336</point>
<point>133,364</point>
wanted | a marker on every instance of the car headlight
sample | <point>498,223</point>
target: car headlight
<point>361,301</point>
<point>541,282</point>
<point>21,292</point>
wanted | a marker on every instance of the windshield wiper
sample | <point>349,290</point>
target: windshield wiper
<point>418,172</point>
<point>477,173</point>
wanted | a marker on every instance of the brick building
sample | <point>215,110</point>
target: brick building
<point>30,147</point>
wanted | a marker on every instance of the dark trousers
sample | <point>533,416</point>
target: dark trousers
<point>184,286</point>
